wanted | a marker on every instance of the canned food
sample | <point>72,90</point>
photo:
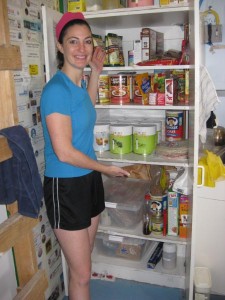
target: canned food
<point>120,88</point>
<point>103,89</point>
<point>174,125</point>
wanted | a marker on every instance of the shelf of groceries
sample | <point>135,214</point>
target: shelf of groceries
<point>151,159</point>
<point>138,270</point>
<point>136,233</point>
<point>124,17</point>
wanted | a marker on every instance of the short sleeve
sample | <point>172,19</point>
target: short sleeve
<point>56,99</point>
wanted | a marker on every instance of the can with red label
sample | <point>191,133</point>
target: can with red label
<point>174,125</point>
<point>120,87</point>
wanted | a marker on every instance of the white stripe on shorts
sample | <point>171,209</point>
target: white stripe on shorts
<point>57,199</point>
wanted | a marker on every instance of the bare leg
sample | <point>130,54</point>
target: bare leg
<point>92,230</point>
<point>76,248</point>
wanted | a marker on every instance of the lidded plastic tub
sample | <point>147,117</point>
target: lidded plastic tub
<point>124,201</point>
<point>120,139</point>
<point>203,283</point>
<point>169,256</point>
<point>101,137</point>
<point>144,139</point>
<point>119,246</point>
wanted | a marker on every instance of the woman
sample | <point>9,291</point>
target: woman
<point>73,188</point>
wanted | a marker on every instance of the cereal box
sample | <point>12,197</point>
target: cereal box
<point>183,216</point>
<point>173,213</point>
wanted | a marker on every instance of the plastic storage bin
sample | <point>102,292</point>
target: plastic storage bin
<point>124,199</point>
<point>202,283</point>
<point>121,247</point>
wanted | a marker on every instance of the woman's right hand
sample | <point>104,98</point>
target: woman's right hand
<point>116,171</point>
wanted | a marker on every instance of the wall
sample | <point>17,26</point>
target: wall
<point>214,58</point>
<point>25,24</point>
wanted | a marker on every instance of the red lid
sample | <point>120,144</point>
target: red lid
<point>147,197</point>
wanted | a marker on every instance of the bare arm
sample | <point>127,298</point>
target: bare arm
<point>96,65</point>
<point>59,127</point>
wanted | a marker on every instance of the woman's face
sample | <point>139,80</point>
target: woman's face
<point>77,46</point>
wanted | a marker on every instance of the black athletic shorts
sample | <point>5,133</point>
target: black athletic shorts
<point>72,202</point>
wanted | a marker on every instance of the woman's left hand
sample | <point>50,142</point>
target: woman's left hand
<point>97,60</point>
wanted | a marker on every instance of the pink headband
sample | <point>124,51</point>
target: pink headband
<point>66,18</point>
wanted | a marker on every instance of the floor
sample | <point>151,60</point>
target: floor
<point>130,290</point>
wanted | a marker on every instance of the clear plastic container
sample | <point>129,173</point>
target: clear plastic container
<point>124,199</point>
<point>202,283</point>
<point>121,247</point>
<point>169,256</point>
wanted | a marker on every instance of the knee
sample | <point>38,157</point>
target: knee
<point>82,278</point>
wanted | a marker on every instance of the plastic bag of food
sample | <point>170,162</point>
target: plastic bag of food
<point>144,84</point>
<point>213,169</point>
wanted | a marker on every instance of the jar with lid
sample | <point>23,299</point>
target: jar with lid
<point>169,256</point>
<point>157,224</point>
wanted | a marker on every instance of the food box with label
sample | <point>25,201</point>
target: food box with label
<point>121,247</point>
<point>124,198</point>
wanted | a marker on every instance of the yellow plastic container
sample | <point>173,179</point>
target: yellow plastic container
<point>76,5</point>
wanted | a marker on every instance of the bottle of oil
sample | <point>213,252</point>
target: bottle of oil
<point>147,215</point>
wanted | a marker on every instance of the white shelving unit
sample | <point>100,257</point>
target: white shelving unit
<point>128,23</point>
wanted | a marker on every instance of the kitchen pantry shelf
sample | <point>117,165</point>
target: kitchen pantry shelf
<point>143,159</point>
<point>138,17</point>
<point>138,271</point>
<point>128,22</point>
<point>136,233</point>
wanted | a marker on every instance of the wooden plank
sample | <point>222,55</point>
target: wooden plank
<point>5,151</point>
<point>10,58</point>
<point>4,24</point>
<point>35,288</point>
<point>25,258</point>
<point>13,229</point>
<point>8,107</point>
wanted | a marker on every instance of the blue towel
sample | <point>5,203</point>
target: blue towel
<point>19,176</point>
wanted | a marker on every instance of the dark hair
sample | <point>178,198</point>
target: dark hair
<point>59,55</point>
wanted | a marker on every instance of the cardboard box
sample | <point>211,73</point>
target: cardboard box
<point>137,51</point>
<point>173,213</point>
<point>148,43</point>
<point>183,216</point>
<point>159,43</point>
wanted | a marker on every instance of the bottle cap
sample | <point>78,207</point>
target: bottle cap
<point>147,197</point>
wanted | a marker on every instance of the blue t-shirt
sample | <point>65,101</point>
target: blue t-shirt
<point>61,95</point>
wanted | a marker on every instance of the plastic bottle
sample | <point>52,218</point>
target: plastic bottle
<point>147,215</point>
<point>169,256</point>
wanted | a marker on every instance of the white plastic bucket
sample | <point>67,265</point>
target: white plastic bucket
<point>144,139</point>
<point>101,137</point>
<point>120,139</point>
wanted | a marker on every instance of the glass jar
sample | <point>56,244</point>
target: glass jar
<point>157,225</point>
